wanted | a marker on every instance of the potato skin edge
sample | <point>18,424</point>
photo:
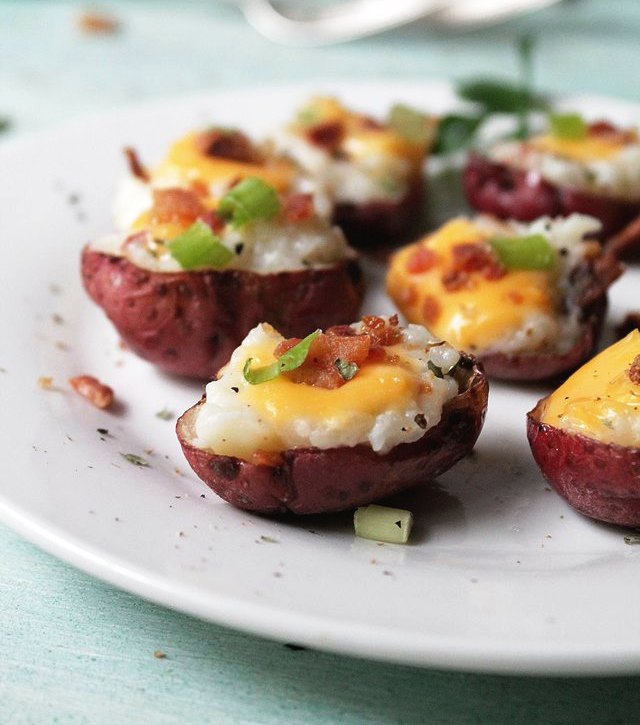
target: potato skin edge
<point>189,323</point>
<point>509,193</point>
<point>311,481</point>
<point>600,480</point>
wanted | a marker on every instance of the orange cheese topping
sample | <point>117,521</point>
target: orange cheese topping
<point>186,165</point>
<point>589,148</point>
<point>476,314</point>
<point>361,137</point>
<point>602,399</point>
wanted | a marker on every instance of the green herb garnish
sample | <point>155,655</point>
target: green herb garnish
<point>383,523</point>
<point>248,201</point>
<point>531,252</point>
<point>136,460</point>
<point>165,414</point>
<point>198,246</point>
<point>409,123</point>
<point>290,360</point>
<point>346,369</point>
<point>456,132</point>
<point>568,125</point>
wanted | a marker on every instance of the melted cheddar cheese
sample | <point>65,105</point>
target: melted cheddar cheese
<point>481,314</point>
<point>601,400</point>
<point>185,165</point>
<point>360,138</point>
<point>386,403</point>
<point>589,148</point>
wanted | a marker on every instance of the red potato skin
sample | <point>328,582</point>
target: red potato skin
<point>601,480</point>
<point>510,193</point>
<point>312,481</point>
<point>189,323</point>
<point>379,223</point>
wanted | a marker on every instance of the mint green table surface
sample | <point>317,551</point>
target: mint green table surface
<point>74,650</point>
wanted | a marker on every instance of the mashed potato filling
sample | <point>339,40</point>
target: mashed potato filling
<point>601,166</point>
<point>602,399</point>
<point>513,311</point>
<point>383,405</point>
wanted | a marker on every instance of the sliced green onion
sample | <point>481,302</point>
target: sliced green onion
<point>291,360</point>
<point>409,123</point>
<point>248,201</point>
<point>568,125</point>
<point>346,369</point>
<point>532,252</point>
<point>198,246</point>
<point>500,96</point>
<point>383,523</point>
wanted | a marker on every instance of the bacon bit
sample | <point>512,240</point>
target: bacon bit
<point>266,458</point>
<point>215,222</point>
<point>319,367</point>
<point>45,382</point>
<point>93,390</point>
<point>200,188</point>
<point>377,354</point>
<point>175,206</point>
<point>516,297</point>
<point>298,207</point>
<point>97,23</point>
<point>634,371</point>
<point>370,123</point>
<point>327,135</point>
<point>471,257</point>
<point>341,331</point>
<point>421,260</point>
<point>610,132</point>
<point>227,144</point>
<point>430,309</point>
<point>380,332</point>
<point>135,166</point>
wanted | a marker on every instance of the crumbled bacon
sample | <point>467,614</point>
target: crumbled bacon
<point>610,132</point>
<point>430,309</point>
<point>227,144</point>
<point>298,207</point>
<point>634,371</point>
<point>179,206</point>
<point>470,257</point>
<point>319,368</point>
<point>381,332</point>
<point>421,260</point>
<point>327,135</point>
<point>215,222</point>
<point>135,166</point>
<point>93,390</point>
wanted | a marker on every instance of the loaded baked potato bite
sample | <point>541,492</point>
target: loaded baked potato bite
<point>527,299</point>
<point>575,167</point>
<point>193,275</point>
<point>207,162</point>
<point>336,420</point>
<point>371,172</point>
<point>585,436</point>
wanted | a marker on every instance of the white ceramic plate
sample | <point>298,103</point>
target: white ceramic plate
<point>501,574</point>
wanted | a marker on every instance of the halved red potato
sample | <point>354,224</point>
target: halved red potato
<point>369,172</point>
<point>511,193</point>
<point>575,167</point>
<point>526,317</point>
<point>194,274</point>
<point>189,323</point>
<point>585,436</point>
<point>346,471</point>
